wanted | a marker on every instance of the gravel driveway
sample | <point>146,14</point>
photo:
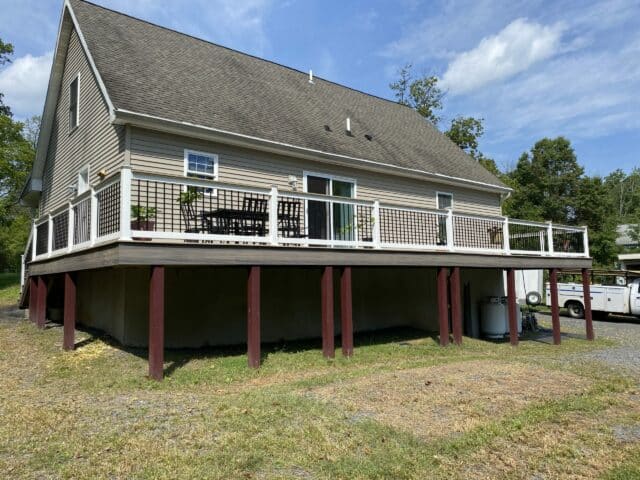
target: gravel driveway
<point>623,330</point>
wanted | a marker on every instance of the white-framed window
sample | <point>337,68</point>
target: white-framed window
<point>201,165</point>
<point>83,180</point>
<point>444,200</point>
<point>74,103</point>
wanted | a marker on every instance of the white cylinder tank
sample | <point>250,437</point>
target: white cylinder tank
<point>494,317</point>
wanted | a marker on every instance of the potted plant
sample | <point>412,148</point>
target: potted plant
<point>495,235</point>
<point>143,218</point>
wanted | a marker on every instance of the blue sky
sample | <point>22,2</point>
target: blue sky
<point>530,68</point>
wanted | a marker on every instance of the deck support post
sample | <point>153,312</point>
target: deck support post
<point>156,323</point>
<point>346,312</point>
<point>555,308</point>
<point>512,306</point>
<point>443,305</point>
<point>33,298</point>
<point>326,295</point>
<point>456,309</point>
<point>586,294</point>
<point>253,317</point>
<point>41,302</point>
<point>69,327</point>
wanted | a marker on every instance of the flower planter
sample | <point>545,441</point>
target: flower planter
<point>145,225</point>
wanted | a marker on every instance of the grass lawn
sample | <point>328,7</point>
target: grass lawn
<point>402,407</point>
<point>9,288</point>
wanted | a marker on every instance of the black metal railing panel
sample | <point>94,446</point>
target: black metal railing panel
<point>412,227</point>
<point>477,233</point>
<point>108,200</point>
<point>82,221</point>
<point>182,208</point>
<point>60,230</point>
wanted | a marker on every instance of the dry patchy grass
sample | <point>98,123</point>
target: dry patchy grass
<point>93,414</point>
<point>450,399</point>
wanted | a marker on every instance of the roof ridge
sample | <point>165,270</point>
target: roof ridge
<point>148,22</point>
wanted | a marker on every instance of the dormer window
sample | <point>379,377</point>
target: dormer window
<point>74,103</point>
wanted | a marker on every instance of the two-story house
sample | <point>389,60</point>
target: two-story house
<point>190,195</point>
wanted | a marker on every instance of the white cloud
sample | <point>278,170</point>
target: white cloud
<point>518,46</point>
<point>24,84</point>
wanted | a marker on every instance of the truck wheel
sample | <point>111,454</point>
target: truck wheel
<point>575,309</point>
<point>533,298</point>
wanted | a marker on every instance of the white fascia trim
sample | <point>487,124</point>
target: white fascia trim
<point>126,116</point>
<point>55,84</point>
<point>92,64</point>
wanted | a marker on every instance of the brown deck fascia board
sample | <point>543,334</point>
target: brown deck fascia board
<point>144,254</point>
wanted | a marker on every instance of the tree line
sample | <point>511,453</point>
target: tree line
<point>17,151</point>
<point>548,182</point>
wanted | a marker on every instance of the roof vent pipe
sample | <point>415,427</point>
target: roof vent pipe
<point>310,76</point>
<point>348,125</point>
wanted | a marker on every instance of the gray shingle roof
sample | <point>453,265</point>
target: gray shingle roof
<point>156,71</point>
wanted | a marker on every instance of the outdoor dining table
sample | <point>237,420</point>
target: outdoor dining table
<point>236,221</point>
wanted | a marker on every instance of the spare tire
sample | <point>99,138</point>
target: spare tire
<point>534,298</point>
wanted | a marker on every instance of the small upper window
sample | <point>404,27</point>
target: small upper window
<point>445,200</point>
<point>83,180</point>
<point>201,165</point>
<point>74,103</point>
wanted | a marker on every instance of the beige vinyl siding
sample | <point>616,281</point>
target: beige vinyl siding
<point>95,142</point>
<point>161,153</point>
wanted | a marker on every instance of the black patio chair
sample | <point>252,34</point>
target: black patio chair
<point>190,218</point>
<point>254,216</point>
<point>289,213</point>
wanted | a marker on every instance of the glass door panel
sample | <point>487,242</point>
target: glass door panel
<point>318,212</point>
<point>343,215</point>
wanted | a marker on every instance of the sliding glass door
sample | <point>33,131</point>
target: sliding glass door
<point>326,221</point>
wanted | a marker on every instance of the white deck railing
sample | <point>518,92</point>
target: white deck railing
<point>137,207</point>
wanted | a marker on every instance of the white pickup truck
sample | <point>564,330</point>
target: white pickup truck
<point>624,300</point>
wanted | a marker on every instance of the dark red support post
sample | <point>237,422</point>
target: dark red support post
<point>69,328</point>
<point>512,305</point>
<point>346,312</point>
<point>156,323</point>
<point>33,298</point>
<point>586,293</point>
<point>253,317</point>
<point>443,306</point>
<point>555,308</point>
<point>326,293</point>
<point>456,309</point>
<point>41,302</point>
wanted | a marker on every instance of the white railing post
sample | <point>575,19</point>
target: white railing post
<point>550,238</point>
<point>70,227</point>
<point>376,224</point>
<point>49,235</point>
<point>125,203</point>
<point>273,215</point>
<point>585,239</point>
<point>505,237</point>
<point>449,228</point>
<point>34,241</point>
<point>93,228</point>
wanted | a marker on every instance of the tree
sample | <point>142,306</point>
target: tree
<point>592,207</point>
<point>465,132</point>
<point>16,159</point>
<point>401,86</point>
<point>6,50</point>
<point>422,94</point>
<point>545,180</point>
